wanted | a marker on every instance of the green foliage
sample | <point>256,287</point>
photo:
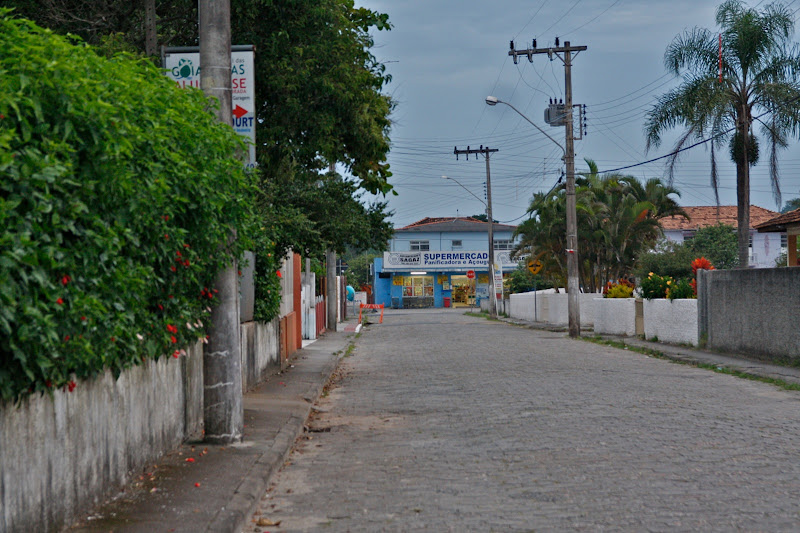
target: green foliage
<point>681,288</point>
<point>618,219</point>
<point>760,71</point>
<point>358,268</point>
<point>655,286</point>
<point>667,259</point>
<point>622,289</point>
<point>266,280</point>
<point>791,205</point>
<point>718,244</point>
<point>118,197</point>
<point>521,280</point>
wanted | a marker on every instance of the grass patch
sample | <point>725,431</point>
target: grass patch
<point>481,314</point>
<point>706,366</point>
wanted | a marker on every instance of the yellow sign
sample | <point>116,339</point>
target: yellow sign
<point>442,279</point>
<point>398,280</point>
<point>483,278</point>
<point>534,266</point>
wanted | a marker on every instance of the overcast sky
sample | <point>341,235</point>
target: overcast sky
<point>447,56</point>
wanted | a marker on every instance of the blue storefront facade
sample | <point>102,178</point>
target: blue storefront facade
<point>442,262</point>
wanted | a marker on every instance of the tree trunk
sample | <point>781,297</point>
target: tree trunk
<point>743,196</point>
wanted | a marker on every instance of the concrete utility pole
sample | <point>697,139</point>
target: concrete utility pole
<point>223,411</point>
<point>486,151</point>
<point>331,289</point>
<point>573,282</point>
<point>150,32</point>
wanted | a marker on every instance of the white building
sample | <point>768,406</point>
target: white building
<point>764,247</point>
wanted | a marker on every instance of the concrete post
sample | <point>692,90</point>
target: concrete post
<point>223,411</point>
<point>331,287</point>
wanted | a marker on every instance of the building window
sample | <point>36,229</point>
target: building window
<point>688,236</point>
<point>504,244</point>
<point>456,244</point>
<point>784,244</point>
<point>420,246</point>
<point>418,286</point>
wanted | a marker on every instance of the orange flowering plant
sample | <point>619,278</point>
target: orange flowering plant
<point>701,263</point>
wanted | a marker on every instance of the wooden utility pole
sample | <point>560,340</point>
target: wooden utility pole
<point>573,281</point>
<point>223,411</point>
<point>486,151</point>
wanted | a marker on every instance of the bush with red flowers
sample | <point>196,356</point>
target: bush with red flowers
<point>118,198</point>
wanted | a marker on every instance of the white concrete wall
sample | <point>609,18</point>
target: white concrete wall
<point>524,307</point>
<point>260,347</point>
<point>559,308</point>
<point>62,453</point>
<point>673,321</point>
<point>615,316</point>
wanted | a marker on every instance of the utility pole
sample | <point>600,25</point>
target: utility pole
<point>223,411</point>
<point>573,283</point>
<point>486,151</point>
<point>150,33</point>
<point>331,289</point>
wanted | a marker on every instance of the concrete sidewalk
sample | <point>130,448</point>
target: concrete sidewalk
<point>201,487</point>
<point>687,354</point>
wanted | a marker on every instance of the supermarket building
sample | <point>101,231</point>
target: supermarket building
<point>441,262</point>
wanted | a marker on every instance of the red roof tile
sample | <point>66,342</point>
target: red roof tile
<point>453,224</point>
<point>707,215</point>
<point>780,222</point>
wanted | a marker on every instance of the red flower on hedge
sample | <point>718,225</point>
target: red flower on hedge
<point>173,339</point>
<point>66,279</point>
<point>60,301</point>
<point>173,268</point>
<point>171,328</point>
<point>701,263</point>
<point>278,272</point>
<point>71,386</point>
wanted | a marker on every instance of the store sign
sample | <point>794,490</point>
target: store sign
<point>184,69</point>
<point>445,261</point>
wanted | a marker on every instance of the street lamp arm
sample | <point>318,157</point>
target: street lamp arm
<point>469,191</point>
<point>493,100</point>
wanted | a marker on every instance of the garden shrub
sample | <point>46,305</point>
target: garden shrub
<point>655,286</point>
<point>680,288</point>
<point>621,289</point>
<point>118,198</point>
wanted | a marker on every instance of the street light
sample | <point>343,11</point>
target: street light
<point>572,225</point>
<point>492,294</point>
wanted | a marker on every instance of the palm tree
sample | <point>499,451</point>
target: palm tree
<point>758,82</point>
<point>618,218</point>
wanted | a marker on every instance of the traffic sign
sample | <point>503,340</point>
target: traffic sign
<point>534,266</point>
<point>470,274</point>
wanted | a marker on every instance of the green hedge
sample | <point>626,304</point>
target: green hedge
<point>118,194</point>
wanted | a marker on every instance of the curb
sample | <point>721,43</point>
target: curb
<point>233,517</point>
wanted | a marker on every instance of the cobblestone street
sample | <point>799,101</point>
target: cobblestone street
<point>442,422</point>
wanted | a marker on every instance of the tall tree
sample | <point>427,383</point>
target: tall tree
<point>618,218</point>
<point>758,82</point>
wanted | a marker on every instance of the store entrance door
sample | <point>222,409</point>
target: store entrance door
<point>463,291</point>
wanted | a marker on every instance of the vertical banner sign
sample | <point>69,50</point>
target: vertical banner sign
<point>184,69</point>
<point>498,280</point>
